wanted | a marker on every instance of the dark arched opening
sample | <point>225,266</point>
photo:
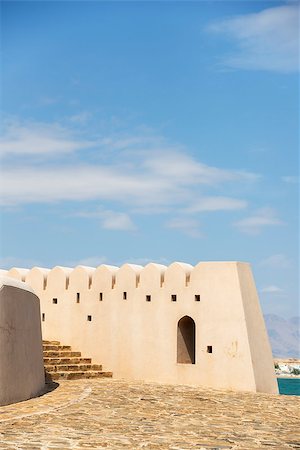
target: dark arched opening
<point>186,331</point>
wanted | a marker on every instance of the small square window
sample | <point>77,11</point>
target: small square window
<point>174,298</point>
<point>197,298</point>
<point>101,296</point>
<point>78,297</point>
<point>124,295</point>
<point>54,301</point>
<point>43,317</point>
<point>89,318</point>
<point>148,298</point>
<point>209,349</point>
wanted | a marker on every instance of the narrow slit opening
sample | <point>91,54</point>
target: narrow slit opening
<point>137,281</point>
<point>162,281</point>
<point>187,279</point>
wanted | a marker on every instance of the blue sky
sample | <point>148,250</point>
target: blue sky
<point>152,131</point>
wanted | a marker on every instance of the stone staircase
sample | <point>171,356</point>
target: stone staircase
<point>61,363</point>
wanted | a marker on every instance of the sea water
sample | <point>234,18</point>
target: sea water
<point>289,386</point>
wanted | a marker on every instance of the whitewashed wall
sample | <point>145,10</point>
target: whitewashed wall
<point>137,339</point>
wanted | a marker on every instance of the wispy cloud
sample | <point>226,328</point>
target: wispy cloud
<point>190,227</point>
<point>15,261</point>
<point>144,261</point>
<point>48,101</point>
<point>110,220</point>
<point>272,289</point>
<point>116,221</point>
<point>137,170</point>
<point>81,118</point>
<point>290,179</point>
<point>262,218</point>
<point>267,40</point>
<point>90,261</point>
<point>216,204</point>
<point>181,167</point>
<point>35,138</point>
<point>278,261</point>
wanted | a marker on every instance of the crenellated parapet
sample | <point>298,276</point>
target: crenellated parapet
<point>128,276</point>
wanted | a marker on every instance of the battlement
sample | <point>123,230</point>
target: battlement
<point>131,276</point>
<point>175,324</point>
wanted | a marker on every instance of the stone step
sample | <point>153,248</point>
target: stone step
<point>61,354</point>
<point>70,361</point>
<point>61,363</point>
<point>48,347</point>
<point>77,375</point>
<point>73,368</point>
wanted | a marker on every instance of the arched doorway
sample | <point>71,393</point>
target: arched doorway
<point>186,331</point>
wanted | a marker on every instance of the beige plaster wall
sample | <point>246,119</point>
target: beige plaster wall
<point>137,339</point>
<point>21,358</point>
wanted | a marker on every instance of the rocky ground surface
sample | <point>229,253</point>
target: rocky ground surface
<point>110,414</point>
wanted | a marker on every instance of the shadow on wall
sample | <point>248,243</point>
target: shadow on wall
<point>186,333</point>
<point>49,387</point>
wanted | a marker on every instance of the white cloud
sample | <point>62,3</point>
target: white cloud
<point>8,262</point>
<point>267,40</point>
<point>144,261</point>
<point>48,101</point>
<point>278,261</point>
<point>95,261</point>
<point>216,204</point>
<point>85,182</point>
<point>262,218</point>
<point>38,139</point>
<point>90,261</point>
<point>190,227</point>
<point>182,168</point>
<point>272,290</point>
<point>110,220</point>
<point>290,179</point>
<point>142,171</point>
<point>81,118</point>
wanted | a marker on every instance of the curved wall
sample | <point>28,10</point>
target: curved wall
<point>21,354</point>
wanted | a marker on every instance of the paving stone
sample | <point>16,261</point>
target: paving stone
<point>113,415</point>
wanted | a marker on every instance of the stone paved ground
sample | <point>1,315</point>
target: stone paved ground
<point>110,414</point>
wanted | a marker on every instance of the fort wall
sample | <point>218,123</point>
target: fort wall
<point>21,356</point>
<point>180,324</point>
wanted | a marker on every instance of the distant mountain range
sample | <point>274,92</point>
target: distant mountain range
<point>284,336</point>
